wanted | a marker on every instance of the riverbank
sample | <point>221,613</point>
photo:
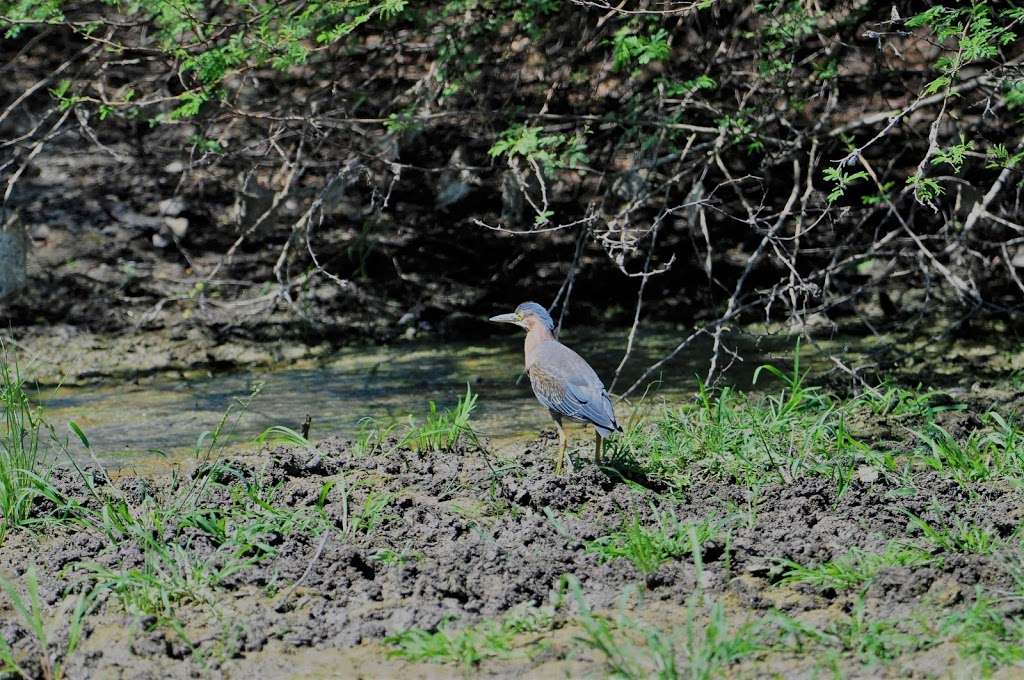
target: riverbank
<point>797,532</point>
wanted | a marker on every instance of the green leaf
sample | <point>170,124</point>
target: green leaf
<point>73,426</point>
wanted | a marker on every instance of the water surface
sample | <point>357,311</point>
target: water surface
<point>131,423</point>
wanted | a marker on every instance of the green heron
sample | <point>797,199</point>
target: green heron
<point>562,380</point>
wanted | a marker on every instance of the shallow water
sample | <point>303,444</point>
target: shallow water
<point>162,417</point>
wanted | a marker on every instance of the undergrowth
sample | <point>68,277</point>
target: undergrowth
<point>800,430</point>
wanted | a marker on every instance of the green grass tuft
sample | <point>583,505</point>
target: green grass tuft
<point>957,536</point>
<point>52,654</point>
<point>990,632</point>
<point>469,646</point>
<point>704,648</point>
<point>649,545</point>
<point>854,569</point>
<point>22,428</point>
<point>443,430</point>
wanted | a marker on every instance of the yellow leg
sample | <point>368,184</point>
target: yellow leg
<point>563,444</point>
<point>598,447</point>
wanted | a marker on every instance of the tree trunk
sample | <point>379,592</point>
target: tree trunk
<point>12,255</point>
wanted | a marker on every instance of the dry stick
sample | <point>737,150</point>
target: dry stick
<point>681,8</point>
<point>724,319</point>
<point>856,292</point>
<point>44,82</point>
<point>737,291</point>
<point>32,154</point>
<point>856,377</point>
<point>587,219</point>
<point>540,182</point>
<point>1003,221</point>
<point>275,201</point>
<point>29,45</point>
<point>896,116</point>
<point>622,217</point>
<point>1008,261</point>
<point>309,568</point>
<point>83,125</point>
<point>646,274</point>
<point>335,123</point>
<point>636,313</point>
<point>570,279</point>
<point>341,283</point>
<point>798,228</point>
<point>933,131</point>
<point>305,219</point>
<point>702,218</point>
<point>317,206</point>
<point>959,285</point>
<point>893,116</point>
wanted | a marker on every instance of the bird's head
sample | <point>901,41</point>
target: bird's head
<point>527,315</point>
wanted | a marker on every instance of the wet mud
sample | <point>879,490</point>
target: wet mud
<point>462,537</point>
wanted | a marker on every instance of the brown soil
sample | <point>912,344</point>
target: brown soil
<point>485,536</point>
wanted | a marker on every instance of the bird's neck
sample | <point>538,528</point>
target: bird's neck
<point>537,335</point>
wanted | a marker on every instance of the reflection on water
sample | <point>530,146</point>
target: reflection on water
<point>125,423</point>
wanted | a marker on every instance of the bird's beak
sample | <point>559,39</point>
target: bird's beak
<point>506,318</point>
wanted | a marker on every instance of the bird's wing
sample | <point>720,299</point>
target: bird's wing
<point>594,405</point>
<point>567,385</point>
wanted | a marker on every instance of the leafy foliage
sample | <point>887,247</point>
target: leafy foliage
<point>603,120</point>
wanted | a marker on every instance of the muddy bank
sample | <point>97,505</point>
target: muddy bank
<point>66,355</point>
<point>347,549</point>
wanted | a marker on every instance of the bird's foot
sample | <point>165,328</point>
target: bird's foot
<point>564,464</point>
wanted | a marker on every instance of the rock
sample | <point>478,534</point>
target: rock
<point>456,182</point>
<point>125,215</point>
<point>177,225</point>
<point>1018,258</point>
<point>867,474</point>
<point>514,205</point>
<point>13,245</point>
<point>40,232</point>
<point>171,207</point>
<point>174,167</point>
<point>160,241</point>
<point>945,591</point>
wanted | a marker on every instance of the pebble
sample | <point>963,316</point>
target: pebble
<point>177,225</point>
<point>172,207</point>
<point>40,232</point>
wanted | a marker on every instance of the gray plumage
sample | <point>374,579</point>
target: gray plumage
<point>566,384</point>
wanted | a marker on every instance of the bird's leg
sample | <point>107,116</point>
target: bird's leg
<point>563,443</point>
<point>598,446</point>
